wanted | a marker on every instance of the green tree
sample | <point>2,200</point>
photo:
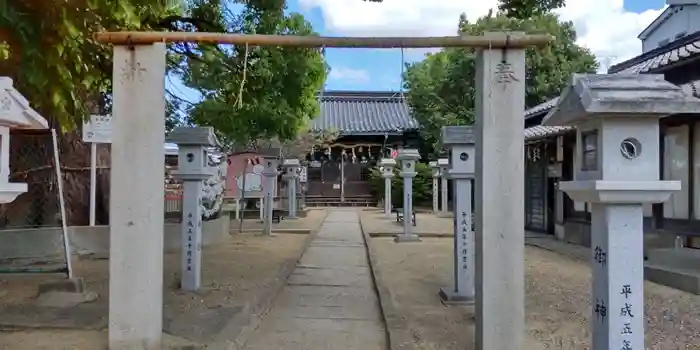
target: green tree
<point>440,88</point>
<point>46,47</point>
<point>524,9</point>
<point>254,92</point>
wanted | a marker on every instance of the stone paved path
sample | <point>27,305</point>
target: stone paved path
<point>329,302</point>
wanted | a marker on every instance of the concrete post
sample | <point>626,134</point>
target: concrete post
<point>238,209</point>
<point>261,207</point>
<point>460,140</point>
<point>408,158</point>
<point>443,164</point>
<point>291,170</point>
<point>617,171</point>
<point>270,174</point>
<point>136,198</point>
<point>436,178</point>
<point>387,165</point>
<point>193,168</point>
<point>500,243</point>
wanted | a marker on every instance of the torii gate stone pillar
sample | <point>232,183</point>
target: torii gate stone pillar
<point>617,172</point>
<point>136,198</point>
<point>499,197</point>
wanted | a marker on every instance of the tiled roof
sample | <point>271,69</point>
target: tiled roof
<point>542,107</point>
<point>352,112</point>
<point>684,48</point>
<point>540,131</point>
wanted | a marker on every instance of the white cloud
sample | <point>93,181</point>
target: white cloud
<point>604,26</point>
<point>356,76</point>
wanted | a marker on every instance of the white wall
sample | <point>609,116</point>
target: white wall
<point>685,18</point>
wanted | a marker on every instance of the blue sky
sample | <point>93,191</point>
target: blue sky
<point>380,70</point>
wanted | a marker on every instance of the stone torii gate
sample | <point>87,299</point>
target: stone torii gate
<point>136,207</point>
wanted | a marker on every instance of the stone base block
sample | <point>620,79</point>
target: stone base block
<point>449,296</point>
<point>65,299</point>
<point>406,238</point>
<point>70,285</point>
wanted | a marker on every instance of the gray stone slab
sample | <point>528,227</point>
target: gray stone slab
<point>324,325</point>
<point>334,256</point>
<point>331,277</point>
<point>358,311</point>
<point>340,237</point>
<point>322,243</point>
<point>341,216</point>
<point>326,296</point>
<point>329,301</point>
<point>319,340</point>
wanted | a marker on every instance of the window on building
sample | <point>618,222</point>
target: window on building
<point>589,150</point>
<point>675,167</point>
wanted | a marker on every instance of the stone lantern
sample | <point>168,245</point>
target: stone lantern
<point>436,188</point>
<point>444,164</point>
<point>193,168</point>
<point>408,158</point>
<point>461,144</point>
<point>270,174</point>
<point>15,113</point>
<point>291,166</point>
<point>617,171</point>
<point>387,166</point>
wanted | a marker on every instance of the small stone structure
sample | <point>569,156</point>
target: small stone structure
<point>291,166</point>
<point>617,171</point>
<point>444,164</point>
<point>460,141</point>
<point>408,158</point>
<point>15,113</point>
<point>193,169</point>
<point>270,174</point>
<point>436,186</point>
<point>387,165</point>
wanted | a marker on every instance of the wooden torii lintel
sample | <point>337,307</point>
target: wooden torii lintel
<point>492,40</point>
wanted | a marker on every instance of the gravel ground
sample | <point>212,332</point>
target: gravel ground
<point>375,222</point>
<point>557,300</point>
<point>235,272</point>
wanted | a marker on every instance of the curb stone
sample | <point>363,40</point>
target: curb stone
<point>397,333</point>
<point>421,234</point>
<point>251,316</point>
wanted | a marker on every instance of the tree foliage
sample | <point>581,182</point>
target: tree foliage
<point>524,9</point>
<point>254,92</point>
<point>441,88</point>
<point>47,48</point>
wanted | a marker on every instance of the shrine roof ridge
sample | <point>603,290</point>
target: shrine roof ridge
<point>364,113</point>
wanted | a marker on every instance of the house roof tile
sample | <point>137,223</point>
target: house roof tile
<point>685,48</point>
<point>352,113</point>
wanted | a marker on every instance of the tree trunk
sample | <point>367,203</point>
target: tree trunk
<point>32,161</point>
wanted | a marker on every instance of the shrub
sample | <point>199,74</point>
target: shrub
<point>422,186</point>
